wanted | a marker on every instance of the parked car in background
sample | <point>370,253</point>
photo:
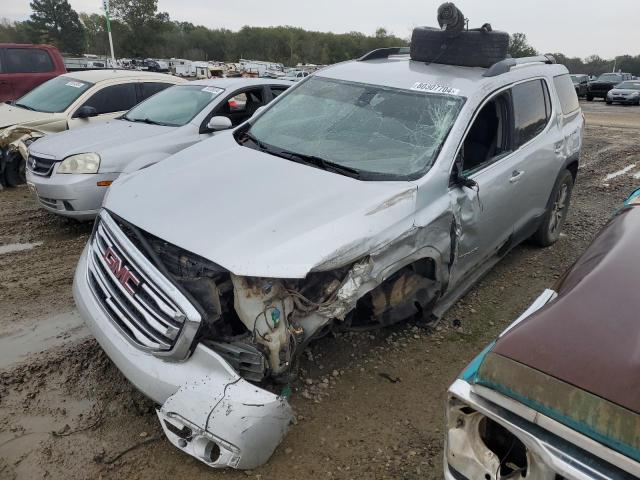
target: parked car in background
<point>605,82</point>
<point>580,82</point>
<point>295,75</point>
<point>70,172</point>
<point>557,396</point>
<point>66,102</point>
<point>23,67</point>
<point>627,92</point>
<point>373,192</point>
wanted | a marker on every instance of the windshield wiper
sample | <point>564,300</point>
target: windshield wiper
<point>311,160</point>
<point>320,163</point>
<point>27,107</point>
<point>244,136</point>
<point>145,120</point>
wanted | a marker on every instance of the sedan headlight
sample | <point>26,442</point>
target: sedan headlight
<point>635,94</point>
<point>80,163</point>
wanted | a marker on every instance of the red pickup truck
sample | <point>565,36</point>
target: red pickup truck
<point>25,66</point>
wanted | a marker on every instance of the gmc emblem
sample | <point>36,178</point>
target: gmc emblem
<point>125,276</point>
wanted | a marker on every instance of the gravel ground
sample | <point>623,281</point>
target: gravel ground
<point>368,405</point>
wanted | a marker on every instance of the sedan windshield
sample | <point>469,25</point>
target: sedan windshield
<point>175,106</point>
<point>372,131</point>
<point>577,78</point>
<point>54,96</point>
<point>610,77</point>
<point>629,85</point>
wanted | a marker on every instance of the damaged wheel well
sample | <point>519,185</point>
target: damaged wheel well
<point>573,168</point>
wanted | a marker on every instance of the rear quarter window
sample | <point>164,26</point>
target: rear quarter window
<point>27,60</point>
<point>530,110</point>
<point>566,94</point>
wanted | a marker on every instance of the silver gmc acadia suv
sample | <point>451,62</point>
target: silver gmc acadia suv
<point>373,191</point>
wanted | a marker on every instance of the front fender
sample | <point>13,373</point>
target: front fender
<point>145,161</point>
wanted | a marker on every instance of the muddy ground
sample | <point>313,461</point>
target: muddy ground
<point>66,412</point>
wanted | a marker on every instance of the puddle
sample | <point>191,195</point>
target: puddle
<point>18,247</point>
<point>42,334</point>
<point>620,172</point>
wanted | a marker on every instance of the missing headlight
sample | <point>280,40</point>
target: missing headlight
<point>507,447</point>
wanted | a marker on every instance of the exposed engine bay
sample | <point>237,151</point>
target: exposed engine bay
<point>261,326</point>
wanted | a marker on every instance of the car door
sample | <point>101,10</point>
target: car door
<point>535,164</point>
<point>110,101</point>
<point>484,209</point>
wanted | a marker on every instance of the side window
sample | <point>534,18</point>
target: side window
<point>529,110</point>
<point>151,88</point>
<point>27,60</point>
<point>566,94</point>
<point>116,98</point>
<point>276,91</point>
<point>241,106</point>
<point>488,137</point>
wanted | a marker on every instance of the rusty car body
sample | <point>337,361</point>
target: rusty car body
<point>557,396</point>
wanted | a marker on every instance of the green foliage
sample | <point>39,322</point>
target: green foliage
<point>139,30</point>
<point>519,46</point>
<point>55,22</point>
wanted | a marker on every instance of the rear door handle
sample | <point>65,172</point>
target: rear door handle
<point>516,175</point>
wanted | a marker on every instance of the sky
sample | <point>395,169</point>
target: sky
<point>568,26</point>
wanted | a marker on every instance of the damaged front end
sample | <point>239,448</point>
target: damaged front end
<point>203,341</point>
<point>14,151</point>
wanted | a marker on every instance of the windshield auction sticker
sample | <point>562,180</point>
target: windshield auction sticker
<point>435,88</point>
<point>214,90</point>
<point>75,84</point>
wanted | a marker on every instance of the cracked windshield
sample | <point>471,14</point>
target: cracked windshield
<point>387,132</point>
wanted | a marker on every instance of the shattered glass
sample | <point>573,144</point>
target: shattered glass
<point>388,132</point>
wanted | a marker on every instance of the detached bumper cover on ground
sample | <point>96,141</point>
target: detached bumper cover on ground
<point>207,410</point>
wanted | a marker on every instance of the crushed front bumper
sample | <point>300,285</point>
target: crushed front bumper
<point>207,410</point>
<point>71,195</point>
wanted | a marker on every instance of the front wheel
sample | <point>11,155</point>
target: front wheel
<point>14,170</point>
<point>557,208</point>
<point>589,98</point>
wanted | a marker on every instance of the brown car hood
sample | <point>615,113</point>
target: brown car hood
<point>589,336</point>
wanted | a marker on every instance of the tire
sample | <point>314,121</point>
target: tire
<point>467,48</point>
<point>557,207</point>
<point>589,98</point>
<point>14,170</point>
<point>608,102</point>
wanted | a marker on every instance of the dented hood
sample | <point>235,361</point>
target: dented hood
<point>100,138</point>
<point>260,215</point>
<point>10,115</point>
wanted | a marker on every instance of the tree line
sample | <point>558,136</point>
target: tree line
<point>141,31</point>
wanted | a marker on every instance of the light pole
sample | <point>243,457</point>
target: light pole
<point>105,4</point>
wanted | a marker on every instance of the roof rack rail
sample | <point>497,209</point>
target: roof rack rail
<point>384,53</point>
<point>504,66</point>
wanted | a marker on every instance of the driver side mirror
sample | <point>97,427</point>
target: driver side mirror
<point>219,123</point>
<point>85,112</point>
<point>459,179</point>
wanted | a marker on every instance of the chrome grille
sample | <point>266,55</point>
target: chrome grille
<point>40,166</point>
<point>143,304</point>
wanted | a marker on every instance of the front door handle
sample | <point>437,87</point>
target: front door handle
<point>516,175</point>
